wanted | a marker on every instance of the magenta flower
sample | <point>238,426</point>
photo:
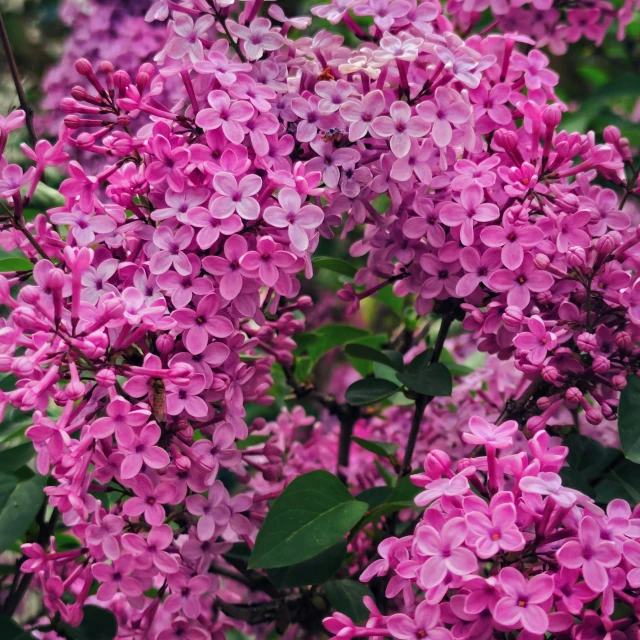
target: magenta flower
<point>310,118</point>
<point>236,197</point>
<point>171,251</point>
<point>84,226</point>
<point>152,550</point>
<point>104,534</point>
<point>498,532</point>
<point>169,163</point>
<point>534,68</point>
<point>445,552</point>
<point>187,34</point>
<point>513,240</point>
<point>78,185</point>
<point>95,280</point>
<point>384,12</point>
<point>478,268</point>
<point>520,282</point>
<point>198,325</point>
<point>492,103</point>
<point>361,115</point>
<point>141,449</point>
<point>520,607</point>
<point>470,209</point>
<point>226,115</point>
<point>400,126</point>
<point>213,511</point>
<point>631,552</point>
<point>486,434</point>
<point>441,278</point>
<point>121,418</point>
<point>446,109</point>
<point>185,594</point>
<point>183,287</point>
<point>423,625</point>
<point>117,577</point>
<point>187,398</point>
<point>571,231</point>
<point>211,228</point>
<point>180,205</point>
<point>547,483</point>
<point>267,260</point>
<point>591,554</point>
<point>297,219</point>
<point>416,161</point>
<point>149,499</point>
<point>537,341</point>
<point>456,486</point>
<point>472,173</point>
<point>257,37</point>
<point>221,67</point>
<point>574,594</point>
<point>13,179</point>
<point>228,270</point>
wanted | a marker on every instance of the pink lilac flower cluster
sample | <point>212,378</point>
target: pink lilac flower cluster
<point>106,30</point>
<point>501,547</point>
<point>166,285</point>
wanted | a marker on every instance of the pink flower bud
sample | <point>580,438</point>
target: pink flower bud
<point>607,244</point>
<point>543,403</point>
<point>72,122</point>
<point>165,344</point>
<point>83,67</point>
<point>106,67</point>
<point>573,395</point>
<point>75,390</point>
<point>142,81</point>
<point>586,342</point>
<point>623,340</point>
<point>121,80</point>
<point>552,115</point>
<point>22,367</point>
<point>30,295</point>
<point>180,371</point>
<point>183,463</point>
<point>619,382</point>
<point>536,423</point>
<point>513,318</point>
<point>550,374</point>
<point>106,378</point>
<point>271,473</point>
<point>56,280</point>
<point>541,261</point>
<point>593,415</point>
<point>437,464</point>
<point>576,257</point>
<point>601,364</point>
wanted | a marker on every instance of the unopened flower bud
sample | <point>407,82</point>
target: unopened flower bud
<point>180,371</point>
<point>576,257</point>
<point>513,318</point>
<point>22,367</point>
<point>586,342</point>
<point>574,395</point>
<point>165,343</point>
<point>75,390</point>
<point>83,67</point>
<point>543,403</point>
<point>607,244</point>
<point>106,378</point>
<point>271,473</point>
<point>183,463</point>
<point>30,295</point>
<point>550,374</point>
<point>552,115</point>
<point>535,424</point>
<point>593,415</point>
<point>437,464</point>
<point>56,280</point>
<point>619,382</point>
<point>623,340</point>
<point>121,80</point>
<point>601,364</point>
<point>541,261</point>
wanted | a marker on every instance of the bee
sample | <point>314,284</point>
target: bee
<point>158,399</point>
<point>326,75</point>
<point>333,135</point>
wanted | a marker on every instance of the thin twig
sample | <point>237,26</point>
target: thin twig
<point>6,45</point>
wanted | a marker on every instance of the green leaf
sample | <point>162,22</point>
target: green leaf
<point>374,496</point>
<point>389,299</point>
<point>304,341</point>
<point>404,492</point>
<point>629,419</point>
<point>20,509</point>
<point>46,198</point>
<point>346,597</point>
<point>365,352</point>
<point>454,367</point>
<point>313,513</point>
<point>314,571</point>
<point>363,366</point>
<point>370,391</point>
<point>336,265</point>
<point>16,457</point>
<point>11,630</point>
<point>97,624</point>
<point>15,263</point>
<point>587,457</point>
<point>331,336</point>
<point>384,449</point>
<point>429,379</point>
<point>251,441</point>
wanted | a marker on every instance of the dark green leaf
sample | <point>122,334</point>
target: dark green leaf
<point>16,457</point>
<point>588,458</point>
<point>251,441</point>
<point>454,367</point>
<point>629,419</point>
<point>20,509</point>
<point>364,352</point>
<point>375,496</point>
<point>432,380</point>
<point>97,624</point>
<point>304,341</point>
<point>384,449</point>
<point>310,572</point>
<point>331,336</point>
<point>336,265</point>
<point>346,597</point>
<point>46,198</point>
<point>389,299</point>
<point>11,630</point>
<point>404,492</point>
<point>313,513</point>
<point>369,391</point>
<point>15,264</point>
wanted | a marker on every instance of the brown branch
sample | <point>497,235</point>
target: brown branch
<point>6,45</point>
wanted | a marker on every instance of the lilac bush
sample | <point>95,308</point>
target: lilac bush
<point>219,457</point>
